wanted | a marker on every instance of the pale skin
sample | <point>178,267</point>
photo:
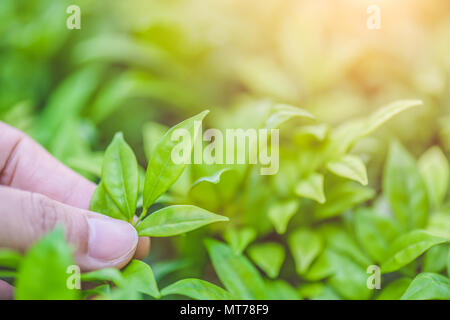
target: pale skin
<point>37,193</point>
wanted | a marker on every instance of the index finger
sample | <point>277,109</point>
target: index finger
<point>26,165</point>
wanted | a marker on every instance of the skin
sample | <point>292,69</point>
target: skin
<point>37,192</point>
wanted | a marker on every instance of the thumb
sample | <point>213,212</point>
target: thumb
<point>100,241</point>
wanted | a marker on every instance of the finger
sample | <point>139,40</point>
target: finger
<point>143,248</point>
<point>6,291</point>
<point>100,241</point>
<point>25,165</point>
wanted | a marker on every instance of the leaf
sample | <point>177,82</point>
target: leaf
<point>433,165</point>
<point>42,273</point>
<point>395,289</point>
<point>139,277</point>
<point>311,188</point>
<point>214,179</point>
<point>281,290</point>
<point>152,133</point>
<point>236,273</point>
<point>101,202</point>
<point>162,171</point>
<point>101,275</point>
<point>268,256</point>
<point>305,246</point>
<point>283,112</point>
<point>239,239</point>
<point>374,233</point>
<point>348,278</point>
<point>197,289</point>
<point>350,167</point>
<point>435,259</point>
<point>343,197</point>
<point>428,286</point>
<point>10,258</point>
<point>174,220</point>
<point>408,247</point>
<point>386,113</point>
<point>281,212</point>
<point>120,176</point>
<point>405,189</point>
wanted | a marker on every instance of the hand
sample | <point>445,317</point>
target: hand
<point>37,193</point>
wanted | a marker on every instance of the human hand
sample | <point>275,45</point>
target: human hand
<point>37,192</point>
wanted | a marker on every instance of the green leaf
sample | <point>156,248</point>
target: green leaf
<point>395,289</point>
<point>139,277</point>
<point>433,166</point>
<point>162,171</point>
<point>101,275</point>
<point>101,202</point>
<point>374,233</point>
<point>268,256</point>
<point>283,112</point>
<point>305,246</point>
<point>404,187</point>
<point>197,289</point>
<point>120,176</point>
<point>386,113</point>
<point>350,167</point>
<point>236,273</point>
<point>281,213</point>
<point>152,133</point>
<point>311,188</point>
<point>281,290</point>
<point>435,259</point>
<point>408,247</point>
<point>343,197</point>
<point>214,179</point>
<point>174,220</point>
<point>239,239</point>
<point>428,286</point>
<point>10,258</point>
<point>42,273</point>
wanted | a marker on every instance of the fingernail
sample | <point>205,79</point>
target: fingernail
<point>110,239</point>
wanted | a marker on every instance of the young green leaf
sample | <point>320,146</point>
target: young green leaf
<point>10,258</point>
<point>152,133</point>
<point>311,188</point>
<point>404,187</point>
<point>281,290</point>
<point>386,113</point>
<point>375,233</point>
<point>236,273</point>
<point>435,259</point>
<point>395,289</point>
<point>239,239</point>
<point>197,289</point>
<point>101,275</point>
<point>281,212</point>
<point>162,171</point>
<point>433,166</point>
<point>139,277</point>
<point>283,112</point>
<point>268,256</point>
<point>174,220</point>
<point>120,176</point>
<point>101,202</point>
<point>408,247</point>
<point>42,275</point>
<point>343,197</point>
<point>351,167</point>
<point>428,286</point>
<point>305,246</point>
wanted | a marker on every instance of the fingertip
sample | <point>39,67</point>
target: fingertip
<point>142,248</point>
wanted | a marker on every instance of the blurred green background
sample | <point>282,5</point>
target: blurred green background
<point>135,65</point>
